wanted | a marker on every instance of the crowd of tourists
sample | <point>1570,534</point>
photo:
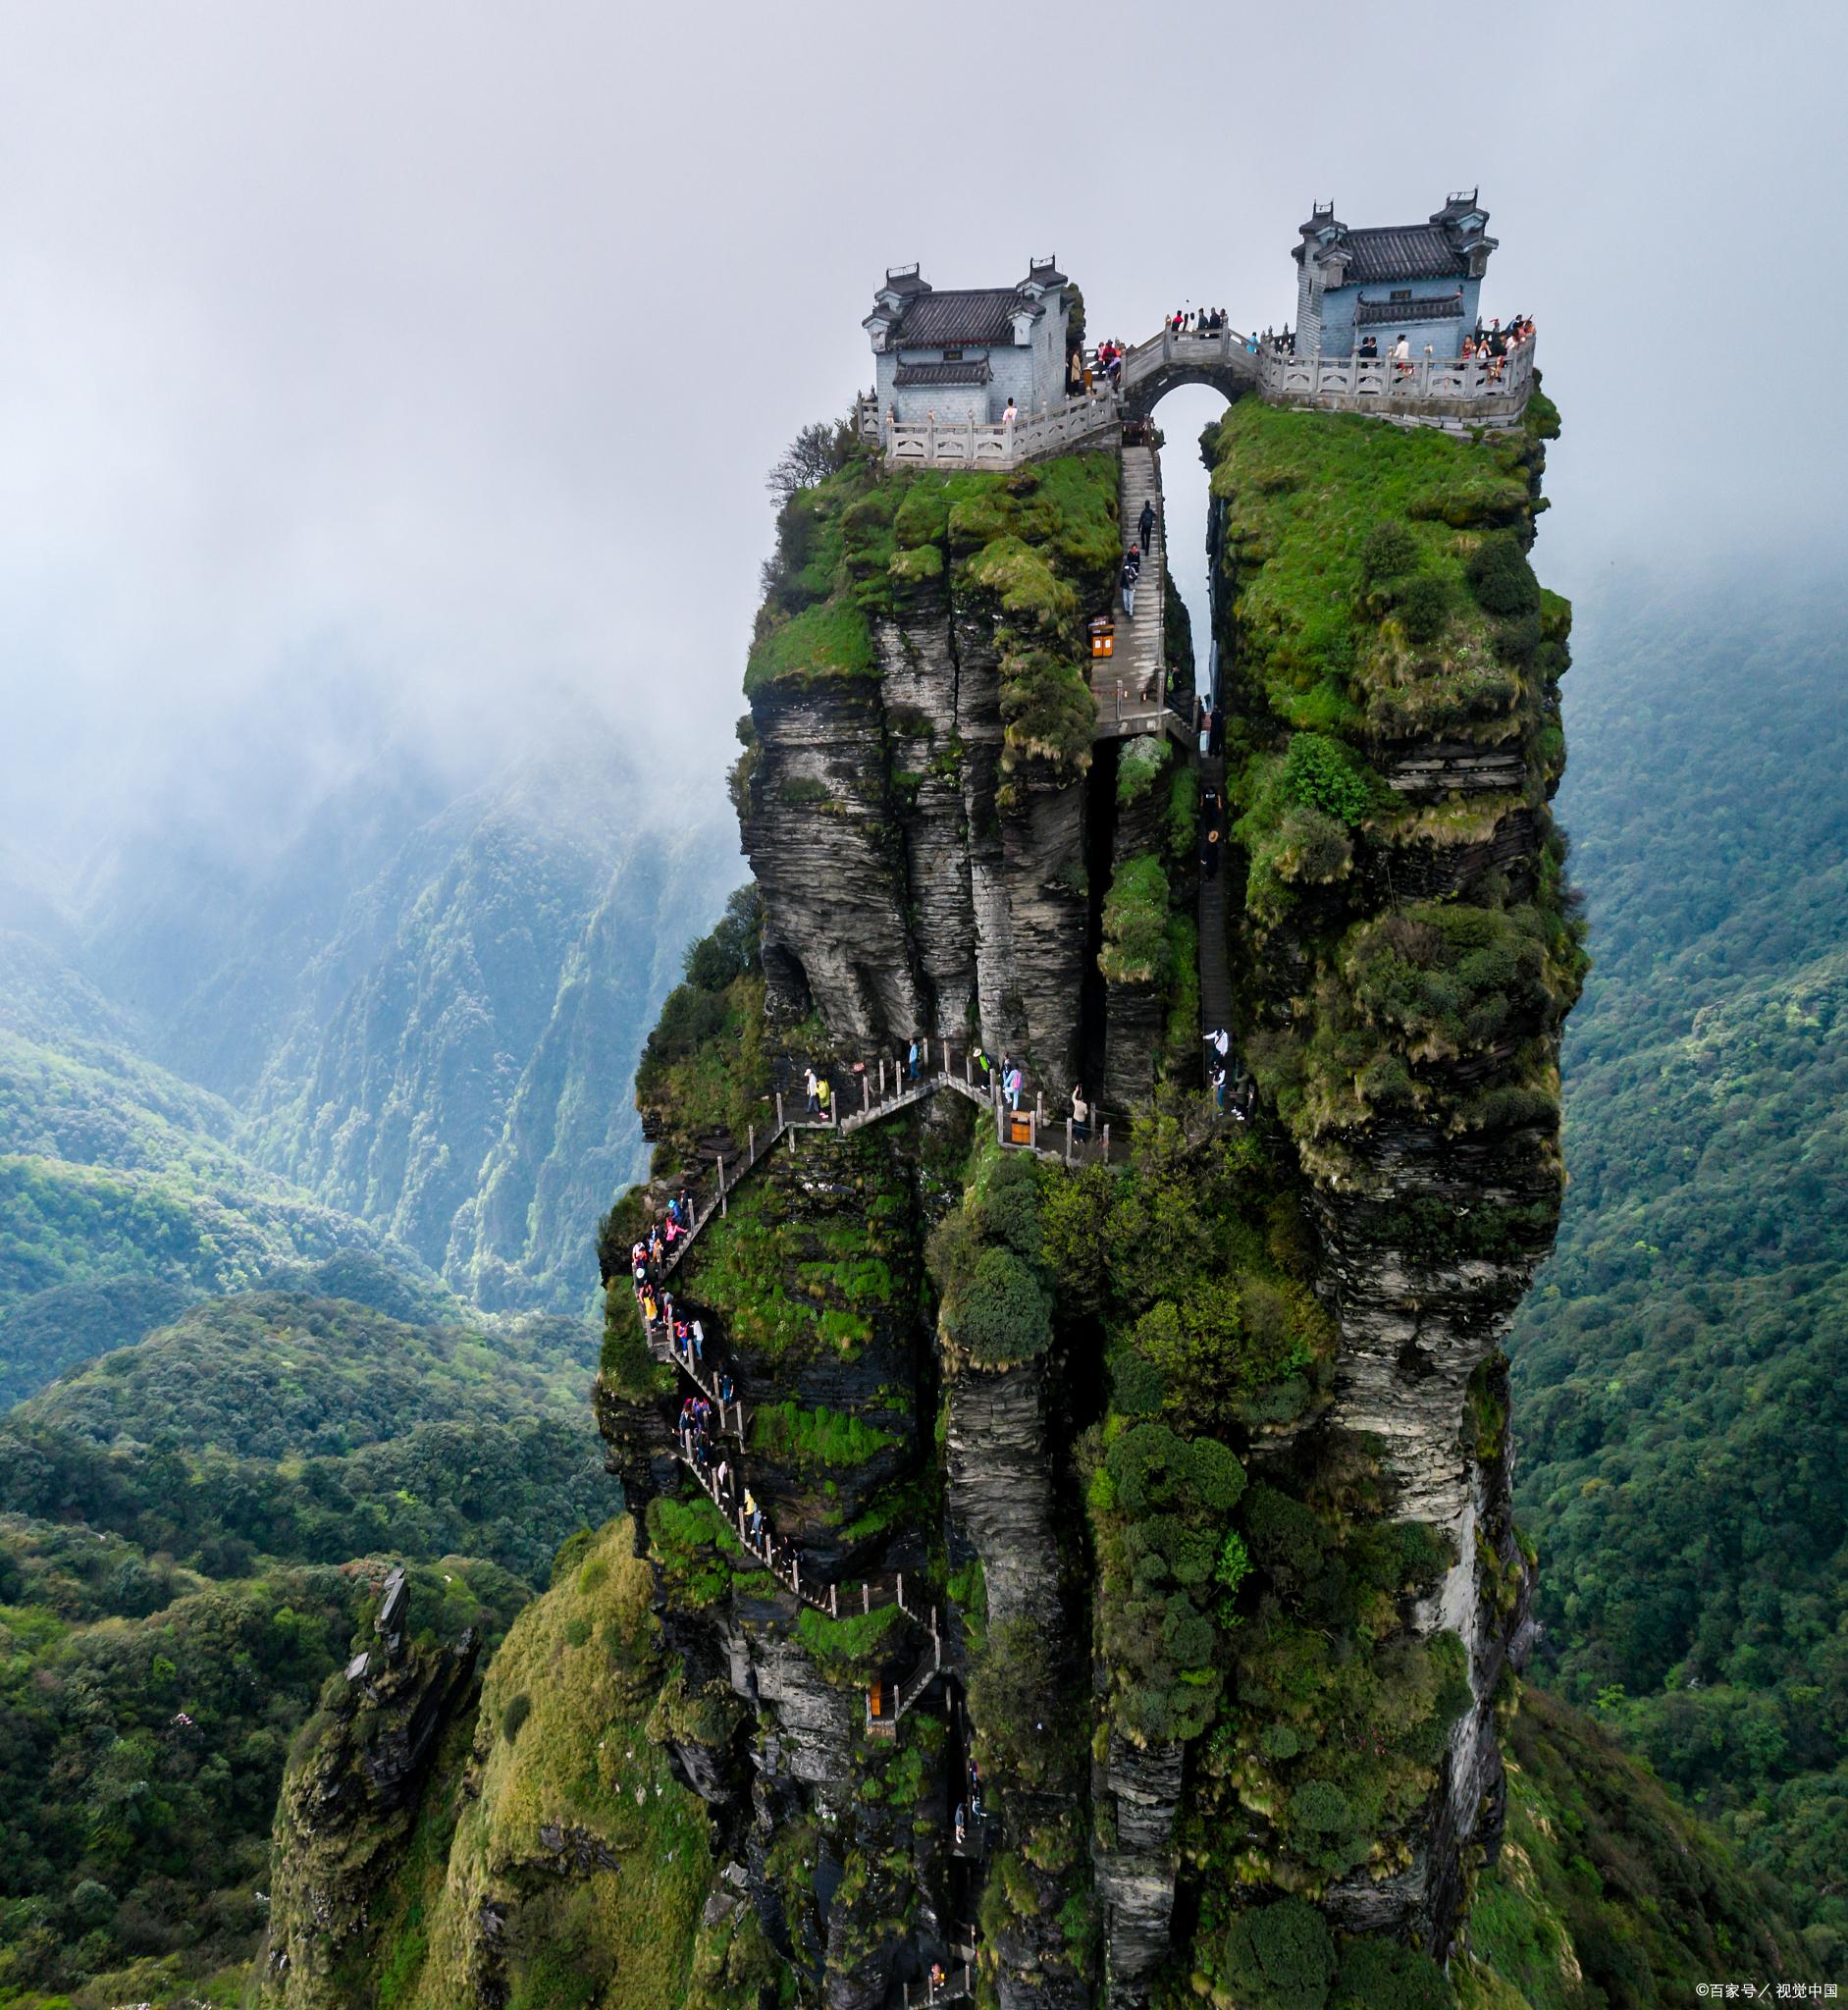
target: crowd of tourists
<point>1488,348</point>
<point>700,1424</point>
<point>652,1252</point>
<point>1199,320</point>
<point>1493,347</point>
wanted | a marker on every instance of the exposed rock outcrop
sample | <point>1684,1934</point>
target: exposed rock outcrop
<point>913,868</point>
<point>348,1804</point>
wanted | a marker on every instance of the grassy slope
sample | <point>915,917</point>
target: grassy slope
<point>584,1659</point>
<point>1608,1895</point>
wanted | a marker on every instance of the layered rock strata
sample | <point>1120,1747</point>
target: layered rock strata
<point>913,883</point>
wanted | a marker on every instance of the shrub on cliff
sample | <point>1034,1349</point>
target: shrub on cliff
<point>1162,1502</point>
<point>1001,1316</point>
<point>1388,552</point>
<point>1135,922</point>
<point>1153,1467</point>
<point>1500,577</point>
<point>1280,1957</point>
<point>700,1068</point>
<point>1142,762</point>
<point>1451,980</point>
<point>1381,1975</point>
<point>1223,1338</point>
<point>821,448</point>
<point>1021,1701</point>
<point>731,949</point>
<point>1007,1209</point>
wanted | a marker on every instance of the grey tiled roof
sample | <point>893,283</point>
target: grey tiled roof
<point>1376,313</point>
<point>986,315</point>
<point>1405,251</point>
<point>976,372</point>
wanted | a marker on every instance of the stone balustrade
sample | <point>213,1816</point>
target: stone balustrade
<point>969,442</point>
<point>1473,387</point>
<point>1433,390</point>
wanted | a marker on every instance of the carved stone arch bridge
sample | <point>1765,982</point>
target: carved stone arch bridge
<point>1174,357</point>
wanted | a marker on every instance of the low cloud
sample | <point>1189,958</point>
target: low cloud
<point>414,369</point>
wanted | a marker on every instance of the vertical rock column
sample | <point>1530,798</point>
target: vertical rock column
<point>1003,1504</point>
<point>919,680</point>
<point>1025,875</point>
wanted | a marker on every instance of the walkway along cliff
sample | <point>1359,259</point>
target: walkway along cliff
<point>1138,1588</point>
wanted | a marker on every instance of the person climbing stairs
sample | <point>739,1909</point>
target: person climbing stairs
<point>1129,685</point>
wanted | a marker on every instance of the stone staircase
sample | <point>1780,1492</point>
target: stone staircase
<point>1215,980</point>
<point>1119,682</point>
<point>886,1702</point>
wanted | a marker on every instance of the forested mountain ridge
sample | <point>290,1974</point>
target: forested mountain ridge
<point>388,1028</point>
<point>122,1193</point>
<point>444,1075</point>
<point>193,1535</point>
<point>1679,1369</point>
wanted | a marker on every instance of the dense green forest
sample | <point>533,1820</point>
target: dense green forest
<point>190,1530</point>
<point>1679,1370</point>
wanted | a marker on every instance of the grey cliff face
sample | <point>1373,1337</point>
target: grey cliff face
<point>897,890</point>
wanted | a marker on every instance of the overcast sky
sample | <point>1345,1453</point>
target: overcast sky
<point>361,360</point>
